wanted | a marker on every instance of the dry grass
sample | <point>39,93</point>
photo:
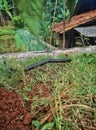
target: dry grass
<point>61,94</point>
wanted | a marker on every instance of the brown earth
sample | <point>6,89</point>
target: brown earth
<point>15,113</point>
<point>12,112</point>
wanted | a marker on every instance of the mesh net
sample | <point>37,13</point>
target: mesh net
<point>31,42</point>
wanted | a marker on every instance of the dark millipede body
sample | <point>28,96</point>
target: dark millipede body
<point>46,61</point>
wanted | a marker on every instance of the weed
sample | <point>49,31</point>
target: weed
<point>21,118</point>
<point>62,95</point>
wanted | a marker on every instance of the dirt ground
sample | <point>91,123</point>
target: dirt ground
<point>15,114</point>
<point>12,111</point>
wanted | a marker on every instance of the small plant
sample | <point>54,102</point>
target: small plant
<point>7,32</point>
<point>62,96</point>
<point>21,118</point>
<point>18,22</point>
<point>47,126</point>
<point>82,40</point>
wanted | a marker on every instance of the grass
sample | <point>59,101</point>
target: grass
<point>9,40</point>
<point>12,40</point>
<point>64,94</point>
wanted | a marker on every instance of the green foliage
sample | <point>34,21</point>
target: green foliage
<point>10,41</point>
<point>69,125</point>
<point>71,4</point>
<point>7,32</point>
<point>49,19</point>
<point>19,43</point>
<point>1,5</point>
<point>18,22</point>
<point>6,7</point>
<point>21,118</point>
<point>37,123</point>
<point>48,14</point>
<point>48,126</point>
<point>31,12</point>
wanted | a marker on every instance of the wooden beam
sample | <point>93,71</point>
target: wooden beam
<point>75,21</point>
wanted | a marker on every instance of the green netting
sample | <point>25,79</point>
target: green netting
<point>31,42</point>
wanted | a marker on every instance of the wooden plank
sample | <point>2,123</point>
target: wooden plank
<point>75,21</point>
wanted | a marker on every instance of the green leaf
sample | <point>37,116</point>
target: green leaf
<point>37,103</point>
<point>1,5</point>
<point>71,4</point>
<point>79,43</point>
<point>48,126</point>
<point>5,4</point>
<point>9,13</point>
<point>26,98</point>
<point>36,123</point>
<point>0,2</point>
<point>21,118</point>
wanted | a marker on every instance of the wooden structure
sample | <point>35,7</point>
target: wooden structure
<point>68,27</point>
<point>83,17</point>
<point>75,21</point>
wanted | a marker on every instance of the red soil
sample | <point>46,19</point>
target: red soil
<point>11,111</point>
<point>15,112</point>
